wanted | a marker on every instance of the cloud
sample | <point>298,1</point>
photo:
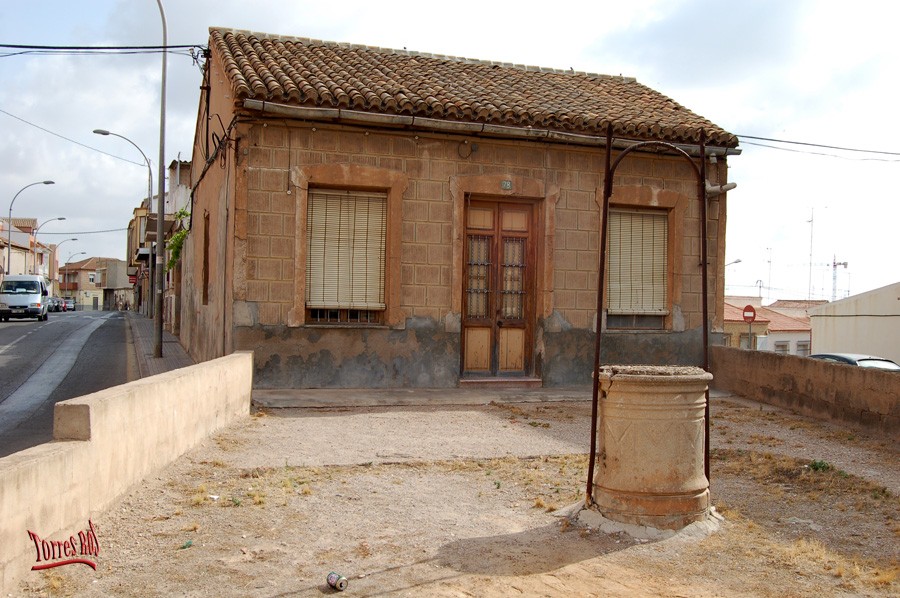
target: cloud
<point>821,71</point>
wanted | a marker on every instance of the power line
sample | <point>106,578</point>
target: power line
<point>809,153</point>
<point>88,232</point>
<point>24,50</point>
<point>833,147</point>
<point>30,47</point>
<point>70,140</point>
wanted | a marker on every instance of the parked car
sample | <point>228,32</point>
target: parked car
<point>55,304</point>
<point>863,361</point>
<point>69,304</point>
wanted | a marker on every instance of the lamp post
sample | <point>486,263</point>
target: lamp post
<point>9,222</point>
<point>149,193</point>
<point>34,261</point>
<point>68,259</point>
<point>161,201</point>
<point>56,251</point>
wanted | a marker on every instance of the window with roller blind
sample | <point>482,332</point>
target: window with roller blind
<point>638,269</point>
<point>345,259</point>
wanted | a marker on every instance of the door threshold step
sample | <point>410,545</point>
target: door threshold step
<point>500,383</point>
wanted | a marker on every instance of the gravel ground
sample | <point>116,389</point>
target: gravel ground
<point>459,501</point>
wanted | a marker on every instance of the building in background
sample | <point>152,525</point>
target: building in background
<point>739,333</point>
<point>18,234</point>
<point>141,245</point>
<point>96,283</point>
<point>868,323</point>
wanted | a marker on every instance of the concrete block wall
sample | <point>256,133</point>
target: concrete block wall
<point>106,442</point>
<point>430,162</point>
<point>263,279</point>
<point>859,396</point>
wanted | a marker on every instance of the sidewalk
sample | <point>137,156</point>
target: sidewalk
<point>142,334</point>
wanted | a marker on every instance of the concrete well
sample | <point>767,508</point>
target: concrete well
<point>651,446</point>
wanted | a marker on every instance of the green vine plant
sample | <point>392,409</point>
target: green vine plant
<point>176,241</point>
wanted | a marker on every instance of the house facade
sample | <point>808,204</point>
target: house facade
<point>17,243</point>
<point>364,217</point>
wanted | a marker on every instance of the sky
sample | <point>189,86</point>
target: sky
<point>817,72</point>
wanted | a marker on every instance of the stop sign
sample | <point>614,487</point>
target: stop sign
<point>749,314</point>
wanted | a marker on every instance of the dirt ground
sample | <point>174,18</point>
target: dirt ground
<point>458,501</point>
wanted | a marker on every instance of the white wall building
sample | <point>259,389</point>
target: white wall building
<point>867,323</point>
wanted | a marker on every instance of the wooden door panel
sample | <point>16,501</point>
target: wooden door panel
<point>497,298</point>
<point>478,349</point>
<point>512,349</point>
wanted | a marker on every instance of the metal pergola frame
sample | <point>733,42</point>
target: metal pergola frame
<point>610,169</point>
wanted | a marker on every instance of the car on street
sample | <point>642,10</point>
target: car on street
<point>863,361</point>
<point>69,304</point>
<point>54,304</point>
<point>24,296</point>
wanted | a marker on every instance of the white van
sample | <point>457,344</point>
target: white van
<point>24,296</point>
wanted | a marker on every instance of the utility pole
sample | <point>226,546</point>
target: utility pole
<point>834,267</point>
<point>811,215</point>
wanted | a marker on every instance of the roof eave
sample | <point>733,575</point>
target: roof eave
<point>357,117</point>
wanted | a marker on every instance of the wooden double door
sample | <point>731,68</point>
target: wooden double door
<point>498,293</point>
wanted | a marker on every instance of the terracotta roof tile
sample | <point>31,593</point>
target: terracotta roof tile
<point>312,73</point>
<point>779,322</point>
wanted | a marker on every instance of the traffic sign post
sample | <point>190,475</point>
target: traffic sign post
<point>749,317</point>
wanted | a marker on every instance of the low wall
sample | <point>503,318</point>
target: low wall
<point>106,442</point>
<point>860,396</point>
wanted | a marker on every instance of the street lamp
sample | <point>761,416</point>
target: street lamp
<point>9,222</point>
<point>161,200</point>
<point>56,250</point>
<point>35,240</point>
<point>68,259</point>
<point>149,191</point>
<point>737,261</point>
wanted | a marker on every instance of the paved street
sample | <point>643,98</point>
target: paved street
<point>41,363</point>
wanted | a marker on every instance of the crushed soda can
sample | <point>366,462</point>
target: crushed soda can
<point>337,581</point>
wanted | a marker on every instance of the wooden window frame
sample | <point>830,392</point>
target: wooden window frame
<point>345,266</point>
<point>649,258</point>
<point>675,205</point>
<point>349,177</point>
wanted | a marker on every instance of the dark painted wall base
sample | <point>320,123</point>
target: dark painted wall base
<point>424,355</point>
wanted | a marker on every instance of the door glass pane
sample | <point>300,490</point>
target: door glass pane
<point>513,277</point>
<point>479,269</point>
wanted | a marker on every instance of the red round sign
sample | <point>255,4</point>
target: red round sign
<point>749,314</point>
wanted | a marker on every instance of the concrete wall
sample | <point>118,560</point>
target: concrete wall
<point>859,396</point>
<point>106,442</point>
<point>866,323</point>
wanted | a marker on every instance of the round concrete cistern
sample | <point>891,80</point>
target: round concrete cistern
<point>650,457</point>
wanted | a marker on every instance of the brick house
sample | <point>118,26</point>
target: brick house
<point>365,217</point>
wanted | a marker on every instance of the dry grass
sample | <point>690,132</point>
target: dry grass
<point>811,478</point>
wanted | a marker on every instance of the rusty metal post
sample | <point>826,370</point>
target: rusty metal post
<point>704,273</point>
<point>601,277</point>
<point>610,169</point>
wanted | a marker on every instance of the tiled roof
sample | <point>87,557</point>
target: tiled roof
<point>317,74</point>
<point>733,313</point>
<point>779,322</point>
<point>26,224</point>
<point>797,303</point>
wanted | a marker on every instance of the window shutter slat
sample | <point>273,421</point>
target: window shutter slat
<point>638,269</point>
<point>346,250</point>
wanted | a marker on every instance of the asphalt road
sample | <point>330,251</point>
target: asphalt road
<point>41,363</point>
